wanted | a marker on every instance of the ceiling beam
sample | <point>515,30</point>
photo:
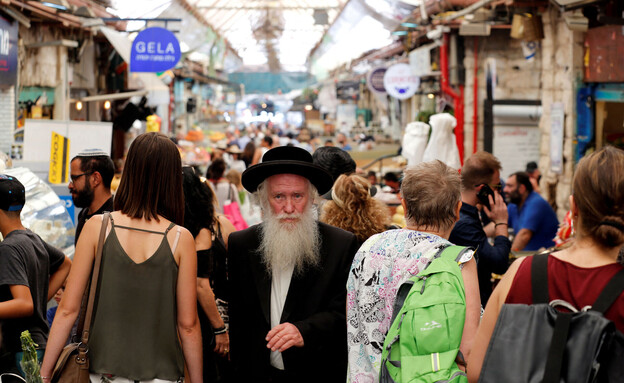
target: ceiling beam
<point>260,7</point>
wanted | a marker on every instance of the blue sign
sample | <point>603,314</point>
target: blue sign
<point>154,50</point>
<point>69,205</point>
<point>8,52</point>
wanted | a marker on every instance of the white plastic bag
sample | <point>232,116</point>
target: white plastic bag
<point>442,145</point>
<point>250,210</point>
<point>415,142</point>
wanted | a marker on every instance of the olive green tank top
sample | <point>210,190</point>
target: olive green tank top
<point>134,329</point>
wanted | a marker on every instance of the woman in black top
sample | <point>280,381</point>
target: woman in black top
<point>211,232</point>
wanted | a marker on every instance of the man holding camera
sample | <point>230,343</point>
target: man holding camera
<point>481,193</point>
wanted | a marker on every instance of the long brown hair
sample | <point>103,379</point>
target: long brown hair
<point>599,196</point>
<point>151,184</point>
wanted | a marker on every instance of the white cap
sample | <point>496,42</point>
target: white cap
<point>92,153</point>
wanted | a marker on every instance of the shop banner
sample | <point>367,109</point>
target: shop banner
<point>8,52</point>
<point>348,90</point>
<point>154,50</point>
<point>420,60</point>
<point>515,146</point>
<point>376,80</point>
<point>557,120</point>
<point>59,159</point>
<point>400,82</point>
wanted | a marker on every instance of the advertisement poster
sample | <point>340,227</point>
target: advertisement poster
<point>515,146</point>
<point>557,117</point>
<point>8,52</point>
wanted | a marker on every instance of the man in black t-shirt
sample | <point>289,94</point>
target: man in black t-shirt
<point>91,174</point>
<point>31,271</point>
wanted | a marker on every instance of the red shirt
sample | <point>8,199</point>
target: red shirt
<point>578,286</point>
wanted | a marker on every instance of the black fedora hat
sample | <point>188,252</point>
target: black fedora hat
<point>287,160</point>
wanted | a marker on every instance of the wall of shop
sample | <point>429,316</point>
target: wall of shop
<point>562,62</point>
<point>7,116</point>
<point>516,77</point>
<point>553,76</point>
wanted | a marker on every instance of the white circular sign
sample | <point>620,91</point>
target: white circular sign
<point>400,82</point>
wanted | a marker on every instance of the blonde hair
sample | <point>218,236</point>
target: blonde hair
<point>234,176</point>
<point>354,210</point>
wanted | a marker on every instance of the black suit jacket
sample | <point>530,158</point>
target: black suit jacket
<point>315,304</point>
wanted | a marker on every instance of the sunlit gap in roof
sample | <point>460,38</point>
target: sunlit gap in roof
<point>367,34</point>
<point>147,9</point>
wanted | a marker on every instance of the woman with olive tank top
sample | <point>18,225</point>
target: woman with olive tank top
<point>145,326</point>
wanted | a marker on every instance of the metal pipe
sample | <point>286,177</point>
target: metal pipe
<point>475,97</point>
<point>458,98</point>
<point>432,7</point>
<point>468,10</point>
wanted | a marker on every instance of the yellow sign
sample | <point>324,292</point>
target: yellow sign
<point>153,123</point>
<point>59,159</point>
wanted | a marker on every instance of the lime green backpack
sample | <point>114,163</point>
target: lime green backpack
<point>422,343</point>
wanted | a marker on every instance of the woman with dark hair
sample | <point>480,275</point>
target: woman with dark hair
<point>248,153</point>
<point>580,272</point>
<point>353,209</point>
<point>225,192</point>
<point>211,232</point>
<point>145,325</point>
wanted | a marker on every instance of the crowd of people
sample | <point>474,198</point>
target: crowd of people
<point>306,290</point>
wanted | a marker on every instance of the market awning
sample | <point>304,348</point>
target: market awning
<point>157,91</point>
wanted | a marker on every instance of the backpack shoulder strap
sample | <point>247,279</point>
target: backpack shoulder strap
<point>539,278</point>
<point>401,296</point>
<point>610,293</point>
<point>454,252</point>
<point>405,288</point>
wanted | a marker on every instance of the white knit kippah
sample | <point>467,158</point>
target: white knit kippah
<point>92,153</point>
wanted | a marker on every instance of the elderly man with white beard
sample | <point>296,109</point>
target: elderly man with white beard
<point>288,278</point>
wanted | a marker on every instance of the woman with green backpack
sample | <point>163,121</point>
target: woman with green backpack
<point>412,298</point>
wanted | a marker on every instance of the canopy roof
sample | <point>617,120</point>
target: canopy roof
<point>277,33</point>
<point>282,35</point>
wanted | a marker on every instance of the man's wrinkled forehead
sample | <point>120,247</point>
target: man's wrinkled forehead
<point>288,181</point>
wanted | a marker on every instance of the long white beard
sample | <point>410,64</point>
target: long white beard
<point>289,244</point>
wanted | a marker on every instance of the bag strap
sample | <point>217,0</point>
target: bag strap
<point>610,293</point>
<point>404,290</point>
<point>539,278</point>
<point>230,197</point>
<point>554,361</point>
<point>445,251</point>
<point>94,279</point>
<point>453,252</point>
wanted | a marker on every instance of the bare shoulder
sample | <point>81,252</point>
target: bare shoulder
<point>185,235</point>
<point>513,268</point>
<point>185,244</point>
<point>226,226</point>
<point>501,291</point>
<point>92,226</point>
